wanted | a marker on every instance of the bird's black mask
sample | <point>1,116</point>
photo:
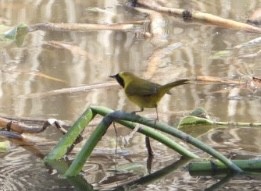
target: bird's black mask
<point>119,79</point>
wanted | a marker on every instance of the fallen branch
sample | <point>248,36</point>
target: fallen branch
<point>214,79</point>
<point>201,17</point>
<point>70,90</point>
<point>80,27</point>
<point>19,127</point>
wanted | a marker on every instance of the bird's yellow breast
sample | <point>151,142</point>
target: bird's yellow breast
<point>144,102</point>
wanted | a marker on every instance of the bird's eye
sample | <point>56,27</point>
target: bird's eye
<point>120,80</point>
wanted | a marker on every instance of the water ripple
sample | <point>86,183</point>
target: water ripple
<point>21,171</point>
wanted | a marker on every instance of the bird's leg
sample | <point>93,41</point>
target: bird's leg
<point>157,113</point>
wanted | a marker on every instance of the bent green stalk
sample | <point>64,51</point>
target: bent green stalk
<point>101,129</point>
<point>119,115</point>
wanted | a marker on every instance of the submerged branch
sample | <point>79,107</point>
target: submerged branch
<point>20,140</point>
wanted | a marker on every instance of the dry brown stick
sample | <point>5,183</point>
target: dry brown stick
<point>20,127</point>
<point>214,79</point>
<point>70,90</point>
<point>201,17</point>
<point>80,27</point>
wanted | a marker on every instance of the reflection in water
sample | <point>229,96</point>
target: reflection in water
<point>19,170</point>
<point>93,56</point>
<point>241,140</point>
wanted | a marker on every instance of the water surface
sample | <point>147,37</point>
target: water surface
<point>99,54</point>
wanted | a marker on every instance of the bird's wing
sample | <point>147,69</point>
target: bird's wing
<point>142,89</point>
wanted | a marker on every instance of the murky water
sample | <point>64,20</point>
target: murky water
<point>93,56</point>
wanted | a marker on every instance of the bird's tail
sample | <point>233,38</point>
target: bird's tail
<point>170,85</point>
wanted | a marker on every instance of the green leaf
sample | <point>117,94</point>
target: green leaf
<point>196,123</point>
<point>193,120</point>
<point>197,117</point>
<point>4,146</point>
<point>17,34</point>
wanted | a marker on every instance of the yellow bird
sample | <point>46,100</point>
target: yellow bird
<point>142,92</point>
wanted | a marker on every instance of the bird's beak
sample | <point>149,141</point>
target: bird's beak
<point>112,76</point>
